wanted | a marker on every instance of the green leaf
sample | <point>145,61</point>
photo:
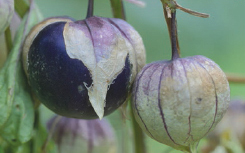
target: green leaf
<point>16,107</point>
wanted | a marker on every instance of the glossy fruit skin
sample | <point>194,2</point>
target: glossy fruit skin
<point>178,102</point>
<point>82,136</point>
<point>60,79</point>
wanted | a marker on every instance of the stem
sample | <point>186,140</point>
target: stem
<point>174,5</point>
<point>35,127</point>
<point>139,141</point>
<point>21,7</point>
<point>124,142</point>
<point>118,9</point>
<point>167,15</point>
<point>193,147</point>
<point>233,78</point>
<point>50,134</point>
<point>90,11</point>
<point>173,33</point>
<point>8,39</point>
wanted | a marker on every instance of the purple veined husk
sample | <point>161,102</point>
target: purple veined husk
<point>82,136</point>
<point>177,102</point>
<point>91,62</point>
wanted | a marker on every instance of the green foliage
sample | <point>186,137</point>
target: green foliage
<point>41,143</point>
<point>16,104</point>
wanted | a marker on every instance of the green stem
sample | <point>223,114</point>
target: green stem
<point>36,128</point>
<point>193,147</point>
<point>124,142</point>
<point>118,9</point>
<point>139,141</point>
<point>8,39</point>
<point>21,7</point>
<point>50,134</point>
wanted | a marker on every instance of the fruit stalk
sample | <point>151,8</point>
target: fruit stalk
<point>168,21</point>
<point>173,36</point>
<point>90,10</point>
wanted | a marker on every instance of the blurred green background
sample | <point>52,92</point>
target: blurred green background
<point>221,37</point>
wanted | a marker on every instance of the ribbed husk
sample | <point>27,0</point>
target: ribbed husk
<point>82,136</point>
<point>178,102</point>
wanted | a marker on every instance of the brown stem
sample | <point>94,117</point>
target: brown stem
<point>172,4</point>
<point>118,9</point>
<point>167,15</point>
<point>198,14</point>
<point>173,36</point>
<point>90,11</point>
<point>234,78</point>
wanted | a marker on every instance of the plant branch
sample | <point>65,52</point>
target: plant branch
<point>21,7</point>
<point>118,9</point>
<point>198,14</point>
<point>8,39</point>
<point>234,78</point>
<point>139,141</point>
<point>172,4</point>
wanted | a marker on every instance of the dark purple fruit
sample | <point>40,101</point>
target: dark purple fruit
<point>82,69</point>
